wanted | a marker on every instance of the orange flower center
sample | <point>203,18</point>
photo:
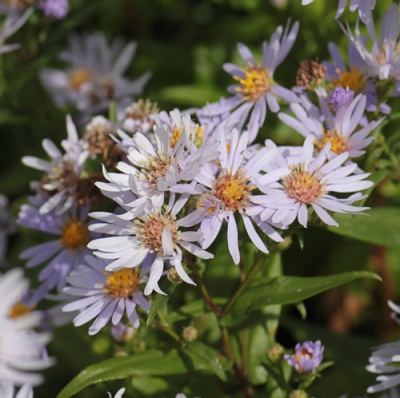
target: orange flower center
<point>78,77</point>
<point>75,235</point>
<point>354,79</point>
<point>19,309</point>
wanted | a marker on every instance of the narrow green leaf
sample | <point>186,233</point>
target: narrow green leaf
<point>381,226</point>
<point>205,358</point>
<point>286,290</point>
<point>149,363</point>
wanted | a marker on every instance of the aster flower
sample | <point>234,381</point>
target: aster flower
<point>151,170</point>
<point>307,357</point>
<point>340,98</point>
<point>354,77</point>
<point>227,191</point>
<point>62,254</point>
<point>155,239</point>
<point>55,8</point>
<point>14,21</point>
<point>291,188</point>
<point>341,129</point>
<point>383,59</point>
<point>62,172</point>
<point>256,90</point>
<point>140,116</point>
<point>382,359</point>
<point>7,390</point>
<point>98,136</point>
<point>119,393</point>
<point>94,76</point>
<point>364,7</point>
<point>104,295</point>
<point>22,350</point>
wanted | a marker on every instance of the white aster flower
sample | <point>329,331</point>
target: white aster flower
<point>22,350</point>
<point>140,117</point>
<point>227,191</point>
<point>155,239</point>
<point>151,170</point>
<point>95,74</point>
<point>291,188</point>
<point>7,390</point>
<point>342,129</point>
<point>256,90</point>
<point>104,295</point>
<point>62,172</point>
<point>14,21</point>
<point>383,59</point>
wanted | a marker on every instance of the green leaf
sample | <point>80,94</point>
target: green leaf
<point>286,290</point>
<point>205,358</point>
<point>149,363</point>
<point>190,95</point>
<point>161,301</point>
<point>381,226</point>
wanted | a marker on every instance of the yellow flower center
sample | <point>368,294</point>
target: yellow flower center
<point>150,230</point>
<point>78,77</point>
<point>254,84</point>
<point>122,283</point>
<point>354,79</point>
<point>233,190</point>
<point>197,131</point>
<point>75,235</point>
<point>19,309</point>
<point>302,185</point>
<point>339,142</point>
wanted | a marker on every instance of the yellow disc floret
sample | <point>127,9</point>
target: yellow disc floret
<point>255,83</point>
<point>78,77</point>
<point>354,79</point>
<point>122,283</point>
<point>339,143</point>
<point>233,190</point>
<point>75,235</point>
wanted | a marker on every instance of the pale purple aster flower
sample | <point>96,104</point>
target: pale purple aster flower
<point>381,359</point>
<point>256,90</point>
<point>104,296</point>
<point>152,170</point>
<point>119,393</point>
<point>383,59</point>
<point>22,350</point>
<point>62,172</point>
<point>227,191</point>
<point>155,239</point>
<point>62,254</point>
<point>291,188</point>
<point>7,390</point>
<point>354,76</point>
<point>14,21</point>
<point>340,98</point>
<point>140,117</point>
<point>94,76</point>
<point>364,8</point>
<point>307,356</point>
<point>55,8</point>
<point>342,129</point>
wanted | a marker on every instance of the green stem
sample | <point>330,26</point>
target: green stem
<point>164,326</point>
<point>204,293</point>
<point>242,286</point>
